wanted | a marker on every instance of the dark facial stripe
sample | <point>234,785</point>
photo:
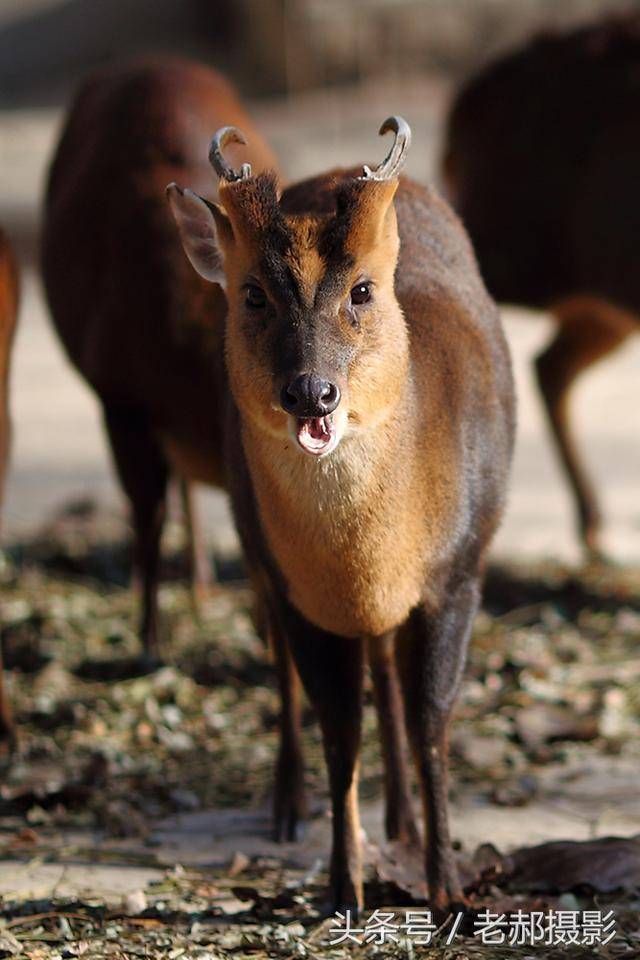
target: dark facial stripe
<point>333,240</point>
<point>280,277</point>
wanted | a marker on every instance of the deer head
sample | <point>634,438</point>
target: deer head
<point>316,343</point>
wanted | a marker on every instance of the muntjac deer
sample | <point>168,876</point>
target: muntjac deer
<point>368,424</point>
<point>147,333</point>
<point>142,329</point>
<point>542,164</point>
<point>8,316</point>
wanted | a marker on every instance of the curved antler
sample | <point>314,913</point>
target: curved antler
<point>221,138</point>
<point>394,161</point>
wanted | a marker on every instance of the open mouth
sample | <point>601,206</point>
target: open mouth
<point>316,435</point>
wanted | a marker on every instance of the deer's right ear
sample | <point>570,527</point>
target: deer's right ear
<point>200,224</point>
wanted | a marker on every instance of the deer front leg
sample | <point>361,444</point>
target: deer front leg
<point>290,808</point>
<point>400,823</point>
<point>432,653</point>
<point>143,473</point>
<point>332,671</point>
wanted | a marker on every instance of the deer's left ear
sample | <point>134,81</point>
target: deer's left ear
<point>200,225</point>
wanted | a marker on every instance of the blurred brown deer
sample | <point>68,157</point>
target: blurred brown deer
<point>541,162</point>
<point>8,317</point>
<point>134,320</point>
<point>368,421</point>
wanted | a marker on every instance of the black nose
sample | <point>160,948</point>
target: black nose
<point>310,396</point>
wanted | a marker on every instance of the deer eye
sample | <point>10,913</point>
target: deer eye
<point>254,297</point>
<point>360,294</point>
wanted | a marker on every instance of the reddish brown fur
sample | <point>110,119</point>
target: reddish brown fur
<point>381,544</point>
<point>8,317</point>
<point>128,133</point>
<point>109,256</point>
<point>384,539</point>
<point>541,161</point>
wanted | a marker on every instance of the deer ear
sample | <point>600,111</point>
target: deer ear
<point>199,224</point>
<point>367,206</point>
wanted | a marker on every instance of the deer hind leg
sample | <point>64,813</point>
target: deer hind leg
<point>400,822</point>
<point>589,330</point>
<point>332,671</point>
<point>144,474</point>
<point>290,807</point>
<point>200,567</point>
<point>431,656</point>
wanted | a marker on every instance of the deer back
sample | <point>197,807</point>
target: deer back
<point>541,160</point>
<point>138,323</point>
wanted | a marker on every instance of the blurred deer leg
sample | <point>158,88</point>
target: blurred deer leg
<point>332,671</point>
<point>144,475</point>
<point>290,808</point>
<point>431,655</point>
<point>589,330</point>
<point>400,823</point>
<point>7,731</point>
<point>201,572</point>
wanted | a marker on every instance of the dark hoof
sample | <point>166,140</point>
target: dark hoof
<point>8,741</point>
<point>456,919</point>
<point>345,895</point>
<point>330,909</point>
<point>289,827</point>
<point>594,557</point>
<point>289,800</point>
<point>122,668</point>
<point>405,831</point>
<point>148,663</point>
<point>444,905</point>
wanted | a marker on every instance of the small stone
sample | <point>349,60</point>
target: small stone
<point>9,946</point>
<point>38,815</point>
<point>175,740</point>
<point>135,903</point>
<point>172,715</point>
<point>568,901</point>
<point>184,799</point>
<point>239,862</point>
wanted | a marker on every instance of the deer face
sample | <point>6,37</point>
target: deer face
<point>314,332</point>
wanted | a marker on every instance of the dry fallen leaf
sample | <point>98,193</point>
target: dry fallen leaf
<point>135,903</point>
<point>604,865</point>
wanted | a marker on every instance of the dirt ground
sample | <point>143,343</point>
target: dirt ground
<point>134,818</point>
<point>136,809</point>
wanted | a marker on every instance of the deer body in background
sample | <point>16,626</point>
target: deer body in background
<point>542,165</point>
<point>368,434</point>
<point>138,325</point>
<point>8,317</point>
